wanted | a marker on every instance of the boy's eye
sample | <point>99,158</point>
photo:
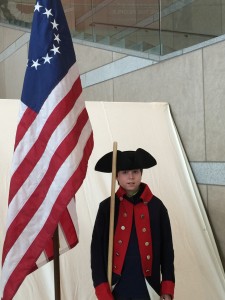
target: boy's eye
<point>135,171</point>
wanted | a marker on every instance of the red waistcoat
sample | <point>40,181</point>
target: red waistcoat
<point>140,213</point>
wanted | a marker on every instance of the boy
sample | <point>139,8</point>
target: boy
<point>143,253</point>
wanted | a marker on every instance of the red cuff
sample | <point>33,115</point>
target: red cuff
<point>103,291</point>
<point>167,287</point>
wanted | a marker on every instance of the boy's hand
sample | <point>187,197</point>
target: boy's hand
<point>165,297</point>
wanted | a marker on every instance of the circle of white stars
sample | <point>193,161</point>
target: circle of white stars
<point>55,47</point>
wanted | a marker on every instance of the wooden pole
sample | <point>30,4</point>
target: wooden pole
<point>56,264</point>
<point>112,212</point>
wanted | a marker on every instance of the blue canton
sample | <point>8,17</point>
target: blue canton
<point>51,53</point>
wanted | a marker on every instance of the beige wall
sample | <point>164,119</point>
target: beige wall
<point>92,58</point>
<point>2,80</point>
<point>12,67</point>
<point>192,83</point>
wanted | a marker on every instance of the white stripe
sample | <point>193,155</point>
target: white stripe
<point>41,167</point>
<point>37,222</point>
<point>57,94</point>
<point>23,108</point>
<point>72,209</point>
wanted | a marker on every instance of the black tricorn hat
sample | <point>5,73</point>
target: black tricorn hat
<point>126,160</point>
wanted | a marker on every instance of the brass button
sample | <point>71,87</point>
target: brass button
<point>121,198</point>
<point>143,229</point>
<point>114,267</point>
<point>125,215</point>
<point>147,271</point>
<point>120,242</point>
<point>148,257</point>
<point>142,216</point>
<point>147,243</point>
<point>123,227</point>
<point>117,254</point>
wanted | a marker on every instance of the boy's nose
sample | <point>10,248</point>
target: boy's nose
<point>130,174</point>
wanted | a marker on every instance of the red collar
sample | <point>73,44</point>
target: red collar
<point>146,194</point>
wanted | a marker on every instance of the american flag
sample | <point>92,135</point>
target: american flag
<point>54,141</point>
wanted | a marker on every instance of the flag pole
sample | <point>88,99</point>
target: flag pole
<point>112,212</point>
<point>56,264</point>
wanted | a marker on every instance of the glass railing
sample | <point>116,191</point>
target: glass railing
<point>152,26</point>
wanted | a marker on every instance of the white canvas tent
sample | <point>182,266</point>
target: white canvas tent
<point>199,273</point>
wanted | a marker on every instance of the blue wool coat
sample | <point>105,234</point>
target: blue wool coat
<point>141,230</point>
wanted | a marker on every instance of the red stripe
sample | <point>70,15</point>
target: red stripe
<point>69,233</point>
<point>68,229</point>
<point>25,122</point>
<point>28,261</point>
<point>68,191</point>
<point>33,203</point>
<point>37,150</point>
<point>49,250</point>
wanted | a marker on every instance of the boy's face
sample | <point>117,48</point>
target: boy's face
<point>129,180</point>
